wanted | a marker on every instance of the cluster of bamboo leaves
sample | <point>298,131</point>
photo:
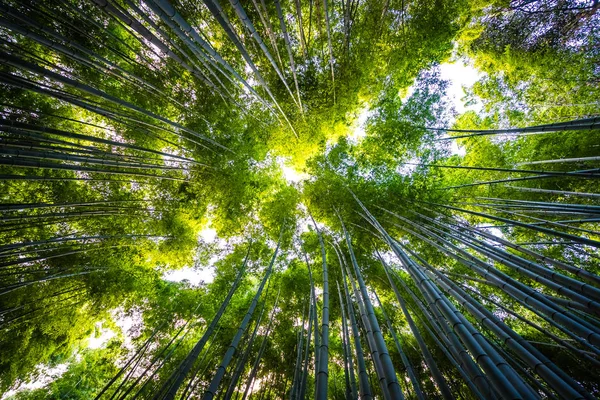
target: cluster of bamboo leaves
<point>398,269</point>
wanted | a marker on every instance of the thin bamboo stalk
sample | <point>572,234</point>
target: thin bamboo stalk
<point>210,392</point>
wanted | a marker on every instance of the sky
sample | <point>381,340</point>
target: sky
<point>194,275</point>
<point>290,174</point>
<point>460,75</point>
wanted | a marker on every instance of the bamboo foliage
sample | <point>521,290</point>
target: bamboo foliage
<point>328,28</point>
<point>217,12</point>
<point>244,18</point>
<point>127,129</point>
<point>19,63</point>
<point>289,50</point>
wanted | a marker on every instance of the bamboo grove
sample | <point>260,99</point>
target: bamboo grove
<point>421,251</point>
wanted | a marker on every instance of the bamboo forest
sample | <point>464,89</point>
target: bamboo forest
<point>300,199</point>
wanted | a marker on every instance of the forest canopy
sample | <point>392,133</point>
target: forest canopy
<point>297,199</point>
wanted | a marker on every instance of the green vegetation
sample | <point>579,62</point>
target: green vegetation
<point>425,253</point>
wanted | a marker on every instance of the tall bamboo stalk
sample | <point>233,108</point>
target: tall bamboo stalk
<point>322,375</point>
<point>176,379</point>
<point>388,368</point>
<point>211,391</point>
